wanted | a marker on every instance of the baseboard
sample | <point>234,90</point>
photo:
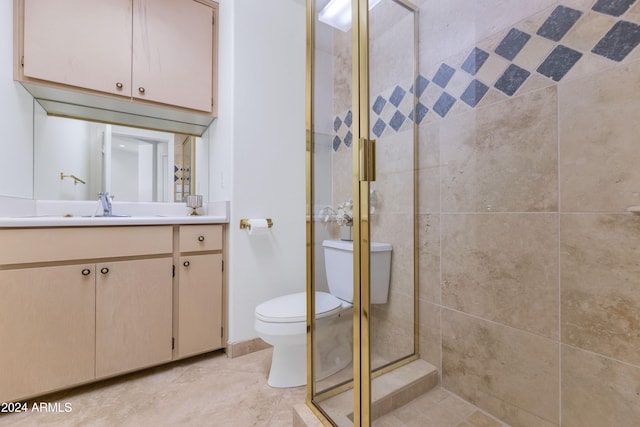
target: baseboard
<point>240,348</point>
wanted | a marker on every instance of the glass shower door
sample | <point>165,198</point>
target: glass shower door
<point>361,186</point>
<point>330,215</point>
<point>394,113</point>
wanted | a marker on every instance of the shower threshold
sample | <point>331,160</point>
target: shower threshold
<point>389,391</point>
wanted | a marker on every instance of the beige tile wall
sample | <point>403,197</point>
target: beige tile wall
<point>502,157</point>
<point>540,278</point>
<point>529,271</point>
<point>510,373</point>
<point>504,268</point>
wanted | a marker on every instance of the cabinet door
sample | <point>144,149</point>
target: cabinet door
<point>199,304</point>
<point>47,325</point>
<point>83,43</point>
<point>173,53</point>
<point>133,315</point>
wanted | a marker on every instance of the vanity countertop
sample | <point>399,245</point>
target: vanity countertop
<point>79,221</point>
<point>19,213</point>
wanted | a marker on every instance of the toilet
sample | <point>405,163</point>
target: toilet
<point>282,321</point>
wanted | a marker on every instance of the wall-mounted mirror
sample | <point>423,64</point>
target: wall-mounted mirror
<point>76,159</point>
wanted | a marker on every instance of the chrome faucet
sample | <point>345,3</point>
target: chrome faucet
<point>105,198</point>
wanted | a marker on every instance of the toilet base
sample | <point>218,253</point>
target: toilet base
<point>333,352</point>
<point>287,371</point>
<point>288,366</point>
<point>333,344</point>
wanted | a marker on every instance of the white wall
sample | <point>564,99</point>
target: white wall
<point>145,176</point>
<point>261,133</point>
<point>16,118</point>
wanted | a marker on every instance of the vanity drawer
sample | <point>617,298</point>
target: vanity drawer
<point>195,238</point>
<point>29,245</point>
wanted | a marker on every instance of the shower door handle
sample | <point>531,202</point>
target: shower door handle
<point>367,159</point>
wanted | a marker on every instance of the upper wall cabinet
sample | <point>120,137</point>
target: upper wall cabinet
<point>79,43</point>
<point>147,58</point>
<point>173,53</point>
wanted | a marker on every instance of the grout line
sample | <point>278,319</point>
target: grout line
<point>494,322</point>
<point>558,215</point>
<point>440,227</point>
<point>539,213</point>
<point>527,411</point>
<point>603,356</point>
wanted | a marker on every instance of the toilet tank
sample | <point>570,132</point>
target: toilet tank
<point>338,263</point>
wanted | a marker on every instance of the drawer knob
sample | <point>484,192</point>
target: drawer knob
<point>186,263</point>
<point>119,85</point>
<point>86,272</point>
<point>104,270</point>
<point>141,89</point>
<point>200,238</point>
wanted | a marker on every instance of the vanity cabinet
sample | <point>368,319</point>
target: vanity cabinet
<point>84,303</point>
<point>145,51</point>
<point>200,291</point>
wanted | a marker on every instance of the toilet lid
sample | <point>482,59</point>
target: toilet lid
<point>293,307</point>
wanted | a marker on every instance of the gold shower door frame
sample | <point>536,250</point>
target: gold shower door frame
<point>363,172</point>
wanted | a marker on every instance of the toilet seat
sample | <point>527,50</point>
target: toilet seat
<point>292,308</point>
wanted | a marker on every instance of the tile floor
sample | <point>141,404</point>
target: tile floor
<point>213,390</point>
<point>438,408</point>
<point>209,390</point>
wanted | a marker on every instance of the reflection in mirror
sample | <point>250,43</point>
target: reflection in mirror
<point>76,159</point>
<point>137,169</point>
<point>184,167</point>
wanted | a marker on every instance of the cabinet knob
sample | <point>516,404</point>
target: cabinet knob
<point>200,238</point>
<point>119,85</point>
<point>141,89</point>
<point>186,263</point>
<point>104,270</point>
<point>86,272</point>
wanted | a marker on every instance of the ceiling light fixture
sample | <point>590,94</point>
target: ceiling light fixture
<point>337,13</point>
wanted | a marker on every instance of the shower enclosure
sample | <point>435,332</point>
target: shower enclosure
<point>505,177</point>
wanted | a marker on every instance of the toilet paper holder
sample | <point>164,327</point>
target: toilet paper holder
<point>244,223</point>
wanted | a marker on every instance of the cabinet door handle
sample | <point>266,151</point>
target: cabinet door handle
<point>186,263</point>
<point>200,238</point>
<point>86,272</point>
<point>119,85</point>
<point>141,89</point>
<point>104,270</point>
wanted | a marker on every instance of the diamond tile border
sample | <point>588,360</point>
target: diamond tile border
<point>512,44</point>
<point>621,39</point>
<point>559,62</point>
<point>612,7</point>
<point>393,109</point>
<point>512,79</point>
<point>443,75</point>
<point>474,93</point>
<point>559,23</point>
<point>475,61</point>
